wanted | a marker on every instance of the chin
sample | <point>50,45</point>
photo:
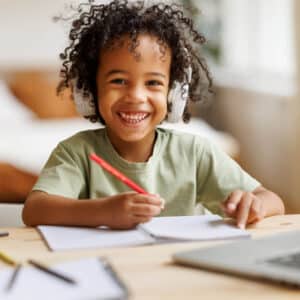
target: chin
<point>133,138</point>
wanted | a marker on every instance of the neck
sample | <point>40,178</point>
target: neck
<point>137,151</point>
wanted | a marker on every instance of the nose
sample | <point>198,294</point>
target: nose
<point>136,93</point>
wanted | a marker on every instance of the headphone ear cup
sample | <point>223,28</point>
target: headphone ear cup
<point>177,102</point>
<point>84,103</point>
<point>178,97</point>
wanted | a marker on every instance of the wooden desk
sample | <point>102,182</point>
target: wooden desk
<point>149,272</point>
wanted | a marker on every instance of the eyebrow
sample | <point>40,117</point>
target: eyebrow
<point>156,74</point>
<point>114,71</point>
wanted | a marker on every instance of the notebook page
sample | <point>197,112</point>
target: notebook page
<point>198,228</point>
<point>93,282</point>
<point>72,238</point>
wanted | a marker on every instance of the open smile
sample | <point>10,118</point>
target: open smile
<point>133,117</point>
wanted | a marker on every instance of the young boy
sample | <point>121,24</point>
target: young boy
<point>131,65</point>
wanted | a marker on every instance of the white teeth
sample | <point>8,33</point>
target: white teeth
<point>133,117</point>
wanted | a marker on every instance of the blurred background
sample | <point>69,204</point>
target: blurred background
<point>253,51</point>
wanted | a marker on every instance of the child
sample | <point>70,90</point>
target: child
<point>130,66</point>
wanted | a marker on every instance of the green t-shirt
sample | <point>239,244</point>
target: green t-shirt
<point>184,169</point>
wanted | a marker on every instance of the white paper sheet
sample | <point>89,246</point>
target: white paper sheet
<point>72,238</point>
<point>193,228</point>
<point>160,229</point>
<point>93,282</point>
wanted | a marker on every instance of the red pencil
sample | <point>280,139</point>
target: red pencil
<point>105,165</point>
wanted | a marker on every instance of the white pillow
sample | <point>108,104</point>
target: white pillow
<point>28,145</point>
<point>11,110</point>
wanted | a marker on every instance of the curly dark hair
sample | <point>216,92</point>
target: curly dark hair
<point>99,26</point>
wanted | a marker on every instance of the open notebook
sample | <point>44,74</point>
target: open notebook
<point>159,229</point>
<point>94,277</point>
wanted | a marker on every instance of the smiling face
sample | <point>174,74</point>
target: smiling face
<point>132,93</point>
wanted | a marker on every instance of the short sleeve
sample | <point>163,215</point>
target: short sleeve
<point>218,175</point>
<point>62,175</point>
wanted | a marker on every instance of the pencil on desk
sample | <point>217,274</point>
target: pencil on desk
<point>13,278</point>
<point>113,273</point>
<point>7,259</point>
<point>51,272</point>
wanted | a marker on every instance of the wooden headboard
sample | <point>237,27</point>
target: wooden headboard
<point>37,90</point>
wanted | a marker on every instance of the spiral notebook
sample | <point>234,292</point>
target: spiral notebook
<point>159,229</point>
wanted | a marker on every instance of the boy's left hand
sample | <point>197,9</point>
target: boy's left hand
<point>245,207</point>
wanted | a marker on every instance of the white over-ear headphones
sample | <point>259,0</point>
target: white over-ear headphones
<point>83,102</point>
<point>177,99</point>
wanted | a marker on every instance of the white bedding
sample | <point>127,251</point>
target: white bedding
<point>11,110</point>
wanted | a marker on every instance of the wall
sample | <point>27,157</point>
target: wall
<point>296,115</point>
<point>29,37</point>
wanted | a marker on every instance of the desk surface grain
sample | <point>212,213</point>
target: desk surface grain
<point>149,271</point>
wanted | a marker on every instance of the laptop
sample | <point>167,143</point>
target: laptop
<point>275,258</point>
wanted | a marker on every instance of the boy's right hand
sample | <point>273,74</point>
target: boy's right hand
<point>127,210</point>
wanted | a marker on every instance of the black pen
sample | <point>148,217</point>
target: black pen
<point>13,278</point>
<point>51,272</point>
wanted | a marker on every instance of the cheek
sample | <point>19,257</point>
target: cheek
<point>105,101</point>
<point>103,108</point>
<point>161,105</point>
<point>164,106</point>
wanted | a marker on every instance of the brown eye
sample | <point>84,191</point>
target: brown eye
<point>154,83</point>
<point>118,81</point>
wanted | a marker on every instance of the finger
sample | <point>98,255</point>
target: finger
<point>139,219</point>
<point>149,199</point>
<point>145,210</point>
<point>256,211</point>
<point>231,203</point>
<point>162,200</point>
<point>243,210</point>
